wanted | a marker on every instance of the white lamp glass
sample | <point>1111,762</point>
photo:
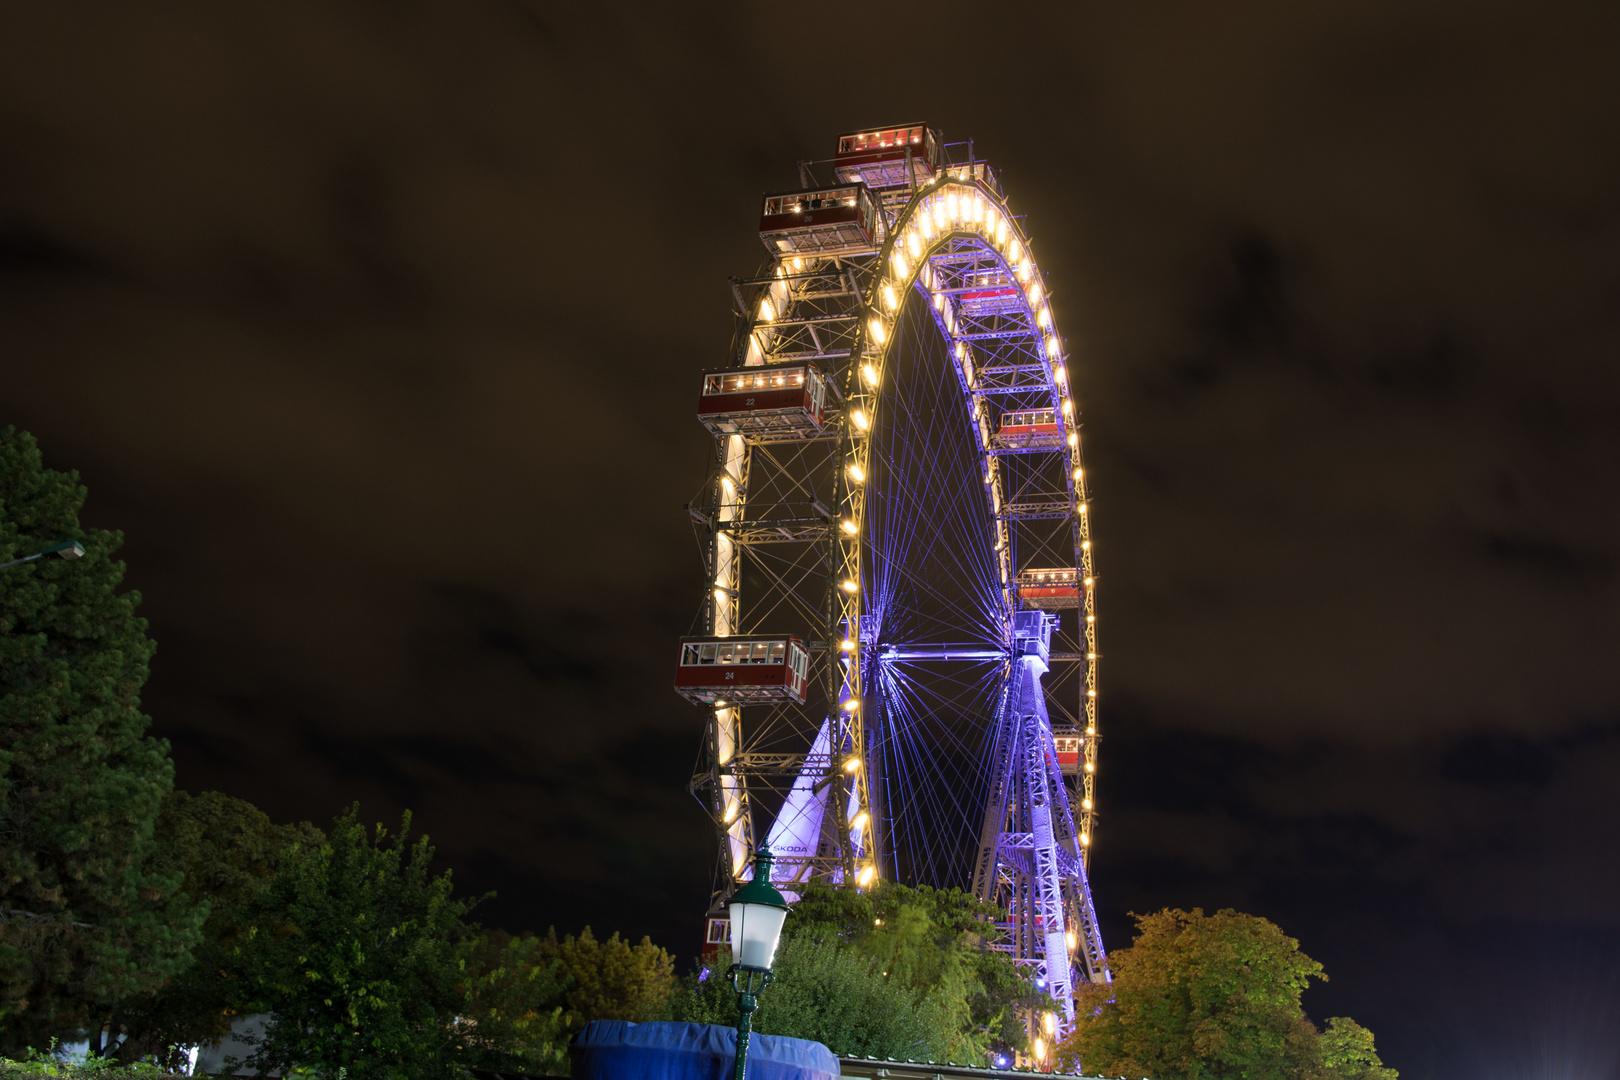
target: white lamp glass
<point>755,931</point>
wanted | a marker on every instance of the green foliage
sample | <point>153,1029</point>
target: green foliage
<point>514,1019</point>
<point>1212,997</point>
<point>612,979</point>
<point>936,941</point>
<point>227,853</point>
<point>1348,1054</point>
<point>86,918</point>
<point>832,994</point>
<point>360,954</point>
<point>889,972</point>
<point>37,1064</point>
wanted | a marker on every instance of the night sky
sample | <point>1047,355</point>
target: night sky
<point>376,327</point>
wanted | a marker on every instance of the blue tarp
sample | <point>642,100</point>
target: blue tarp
<point>620,1050</point>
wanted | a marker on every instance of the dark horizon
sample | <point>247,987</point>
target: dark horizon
<point>377,331</point>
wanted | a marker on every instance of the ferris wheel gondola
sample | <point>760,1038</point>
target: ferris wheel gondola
<point>897,487</point>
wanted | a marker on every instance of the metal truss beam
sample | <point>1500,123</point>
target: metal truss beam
<point>779,531</point>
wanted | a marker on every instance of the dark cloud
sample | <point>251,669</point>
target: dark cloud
<point>371,325</point>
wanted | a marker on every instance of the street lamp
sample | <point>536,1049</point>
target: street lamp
<point>757,914</point>
<point>68,549</point>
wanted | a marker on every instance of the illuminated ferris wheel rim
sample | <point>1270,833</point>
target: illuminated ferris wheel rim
<point>950,208</point>
<point>967,210</point>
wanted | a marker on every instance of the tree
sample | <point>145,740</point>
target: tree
<point>514,1018</point>
<point>887,972</point>
<point>359,953</point>
<point>227,852</point>
<point>938,942</point>
<point>1211,997</point>
<point>85,918</point>
<point>829,993</point>
<point>612,979</point>
<point>1348,1054</point>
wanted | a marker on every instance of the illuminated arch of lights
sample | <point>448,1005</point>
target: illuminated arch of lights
<point>898,640</point>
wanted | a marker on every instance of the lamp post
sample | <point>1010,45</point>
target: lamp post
<point>757,914</point>
<point>68,549</point>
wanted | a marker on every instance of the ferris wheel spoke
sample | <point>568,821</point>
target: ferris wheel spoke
<point>935,817</point>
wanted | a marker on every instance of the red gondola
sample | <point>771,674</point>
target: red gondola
<point>991,292</point>
<point>881,156</point>
<point>820,221</point>
<point>1050,590</point>
<point>1067,743</point>
<point>742,670</point>
<point>767,399</point>
<point>1029,427</point>
<point>717,942</point>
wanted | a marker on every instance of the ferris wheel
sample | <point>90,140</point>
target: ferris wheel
<point>898,651</point>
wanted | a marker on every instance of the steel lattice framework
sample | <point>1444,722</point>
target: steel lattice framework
<point>897,540</point>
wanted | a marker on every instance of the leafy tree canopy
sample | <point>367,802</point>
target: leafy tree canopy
<point>938,942</point>
<point>1212,997</point>
<point>227,852</point>
<point>360,954</point>
<point>832,994</point>
<point>86,917</point>
<point>893,971</point>
<point>514,1018</point>
<point>612,979</point>
<point>1348,1054</point>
